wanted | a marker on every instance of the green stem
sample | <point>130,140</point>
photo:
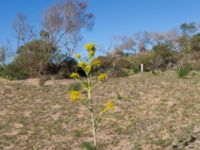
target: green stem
<point>92,113</point>
<point>98,120</point>
<point>93,130</point>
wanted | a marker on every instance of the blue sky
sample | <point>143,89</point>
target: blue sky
<point>113,17</point>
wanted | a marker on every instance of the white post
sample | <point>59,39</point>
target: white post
<point>142,67</point>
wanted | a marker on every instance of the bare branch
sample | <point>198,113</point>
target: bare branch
<point>64,20</point>
<point>24,32</point>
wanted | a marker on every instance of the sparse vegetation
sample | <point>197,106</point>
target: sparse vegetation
<point>134,91</point>
<point>183,71</point>
<point>152,112</point>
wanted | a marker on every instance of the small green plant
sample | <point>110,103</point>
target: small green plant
<point>75,87</point>
<point>183,71</point>
<point>77,133</point>
<point>119,97</point>
<point>87,146</point>
<point>88,85</point>
<point>115,73</point>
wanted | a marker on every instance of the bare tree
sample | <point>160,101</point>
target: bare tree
<point>64,21</point>
<point>127,44</point>
<point>136,43</point>
<point>106,51</point>
<point>6,53</point>
<point>160,37</point>
<point>2,56</point>
<point>23,31</point>
<point>142,39</point>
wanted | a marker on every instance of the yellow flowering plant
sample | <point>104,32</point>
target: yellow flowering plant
<point>75,96</point>
<point>75,76</point>
<point>88,65</point>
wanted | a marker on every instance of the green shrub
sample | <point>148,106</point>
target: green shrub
<point>195,60</point>
<point>163,56</point>
<point>122,63</point>
<point>13,72</point>
<point>35,56</point>
<point>2,72</point>
<point>195,43</point>
<point>192,58</point>
<point>118,73</point>
<point>144,58</point>
<point>183,71</point>
<point>136,68</point>
<point>106,62</point>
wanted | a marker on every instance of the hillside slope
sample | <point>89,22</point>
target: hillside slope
<point>153,113</point>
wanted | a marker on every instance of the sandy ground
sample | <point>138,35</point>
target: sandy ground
<point>153,113</point>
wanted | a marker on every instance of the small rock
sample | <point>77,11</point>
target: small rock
<point>192,139</point>
<point>185,143</point>
<point>175,147</point>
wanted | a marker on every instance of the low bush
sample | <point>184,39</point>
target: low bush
<point>163,57</point>
<point>195,60</point>
<point>106,62</point>
<point>14,72</point>
<point>75,87</point>
<point>183,71</point>
<point>144,58</point>
<point>195,46</point>
<point>122,63</point>
<point>2,72</point>
<point>115,73</point>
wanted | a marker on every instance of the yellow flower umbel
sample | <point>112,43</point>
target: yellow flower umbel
<point>74,76</point>
<point>102,77</point>
<point>75,96</point>
<point>87,69</point>
<point>78,56</point>
<point>109,106</point>
<point>91,53</point>
<point>81,64</point>
<point>90,47</point>
<point>96,62</point>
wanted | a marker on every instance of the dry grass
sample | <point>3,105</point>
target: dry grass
<point>153,112</point>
